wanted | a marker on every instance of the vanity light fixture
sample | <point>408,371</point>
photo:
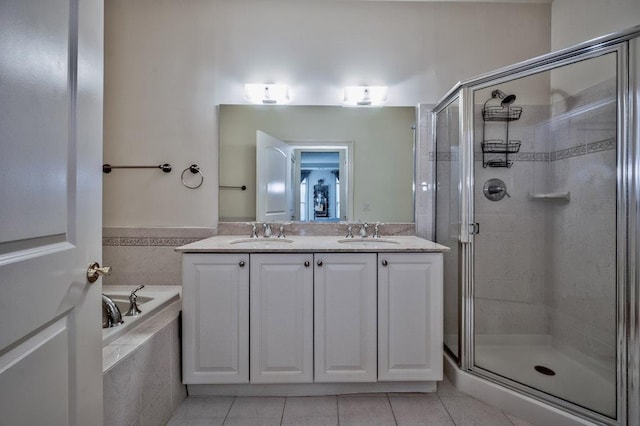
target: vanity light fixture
<point>365,95</point>
<point>268,94</point>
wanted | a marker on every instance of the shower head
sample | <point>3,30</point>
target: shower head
<point>506,99</point>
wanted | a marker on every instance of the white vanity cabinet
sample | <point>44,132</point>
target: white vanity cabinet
<point>281,312</point>
<point>410,316</point>
<point>335,319</point>
<point>345,317</point>
<point>215,317</point>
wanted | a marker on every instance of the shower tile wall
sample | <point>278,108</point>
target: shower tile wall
<point>425,173</point>
<point>509,250</point>
<point>581,234</point>
<point>548,266</point>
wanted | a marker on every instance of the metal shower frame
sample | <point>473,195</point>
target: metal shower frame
<point>626,45</point>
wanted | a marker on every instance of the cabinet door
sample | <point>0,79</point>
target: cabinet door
<point>281,318</point>
<point>215,318</point>
<point>345,317</point>
<point>410,316</point>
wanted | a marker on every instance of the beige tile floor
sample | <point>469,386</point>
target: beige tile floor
<point>447,407</point>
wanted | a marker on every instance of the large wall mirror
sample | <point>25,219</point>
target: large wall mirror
<point>344,163</point>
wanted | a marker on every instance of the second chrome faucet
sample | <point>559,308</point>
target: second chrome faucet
<point>268,229</point>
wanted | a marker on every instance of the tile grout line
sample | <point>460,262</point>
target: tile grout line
<point>391,407</point>
<point>446,409</point>
<point>229,410</point>
<point>284,406</point>
<point>507,417</point>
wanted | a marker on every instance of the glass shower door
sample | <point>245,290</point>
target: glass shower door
<point>545,197</point>
<point>448,196</point>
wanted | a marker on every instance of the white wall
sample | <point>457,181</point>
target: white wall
<point>419,49</point>
<point>169,62</point>
<point>159,107</point>
<point>575,21</point>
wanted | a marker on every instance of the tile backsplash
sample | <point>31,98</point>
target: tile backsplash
<point>147,255</point>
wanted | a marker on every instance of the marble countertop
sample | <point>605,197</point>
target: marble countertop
<point>315,244</point>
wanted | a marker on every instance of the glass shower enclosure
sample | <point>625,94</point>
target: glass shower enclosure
<point>535,195</point>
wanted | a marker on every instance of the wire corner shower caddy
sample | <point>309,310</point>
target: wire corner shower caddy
<point>498,108</point>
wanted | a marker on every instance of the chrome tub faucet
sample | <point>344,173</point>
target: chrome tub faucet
<point>133,304</point>
<point>111,316</point>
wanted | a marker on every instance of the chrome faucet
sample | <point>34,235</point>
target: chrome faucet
<point>254,230</point>
<point>363,229</point>
<point>349,232</point>
<point>376,230</point>
<point>111,316</point>
<point>281,231</point>
<point>267,230</point>
<point>133,305</point>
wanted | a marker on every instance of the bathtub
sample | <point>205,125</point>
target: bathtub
<point>159,305</point>
<point>141,358</point>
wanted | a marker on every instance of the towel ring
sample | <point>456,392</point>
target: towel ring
<point>193,169</point>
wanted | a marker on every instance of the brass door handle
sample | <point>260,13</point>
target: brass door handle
<point>94,271</point>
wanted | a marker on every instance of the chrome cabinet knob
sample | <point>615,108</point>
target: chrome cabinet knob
<point>95,271</point>
<point>319,263</point>
<point>241,263</point>
<point>306,263</point>
<point>385,263</point>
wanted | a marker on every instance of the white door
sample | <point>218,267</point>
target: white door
<point>281,318</point>
<point>410,316</point>
<point>345,317</point>
<point>215,338</point>
<point>51,54</point>
<point>274,195</point>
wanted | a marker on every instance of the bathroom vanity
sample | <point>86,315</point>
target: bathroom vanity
<point>312,310</point>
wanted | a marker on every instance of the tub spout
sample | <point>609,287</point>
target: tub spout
<point>111,316</point>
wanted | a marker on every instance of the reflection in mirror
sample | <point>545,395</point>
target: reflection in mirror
<point>364,156</point>
<point>319,186</point>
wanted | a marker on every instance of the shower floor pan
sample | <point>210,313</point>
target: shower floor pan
<point>577,380</point>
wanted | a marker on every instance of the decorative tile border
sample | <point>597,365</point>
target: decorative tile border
<point>110,241</point>
<point>604,145</point>
<point>575,151</point>
<point>127,241</point>
<point>148,241</point>
<point>153,237</point>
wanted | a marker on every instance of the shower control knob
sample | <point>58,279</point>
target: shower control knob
<point>495,190</point>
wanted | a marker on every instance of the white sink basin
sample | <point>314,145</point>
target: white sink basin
<point>261,241</point>
<point>371,241</point>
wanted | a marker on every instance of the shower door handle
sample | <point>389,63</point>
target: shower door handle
<point>474,228</point>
